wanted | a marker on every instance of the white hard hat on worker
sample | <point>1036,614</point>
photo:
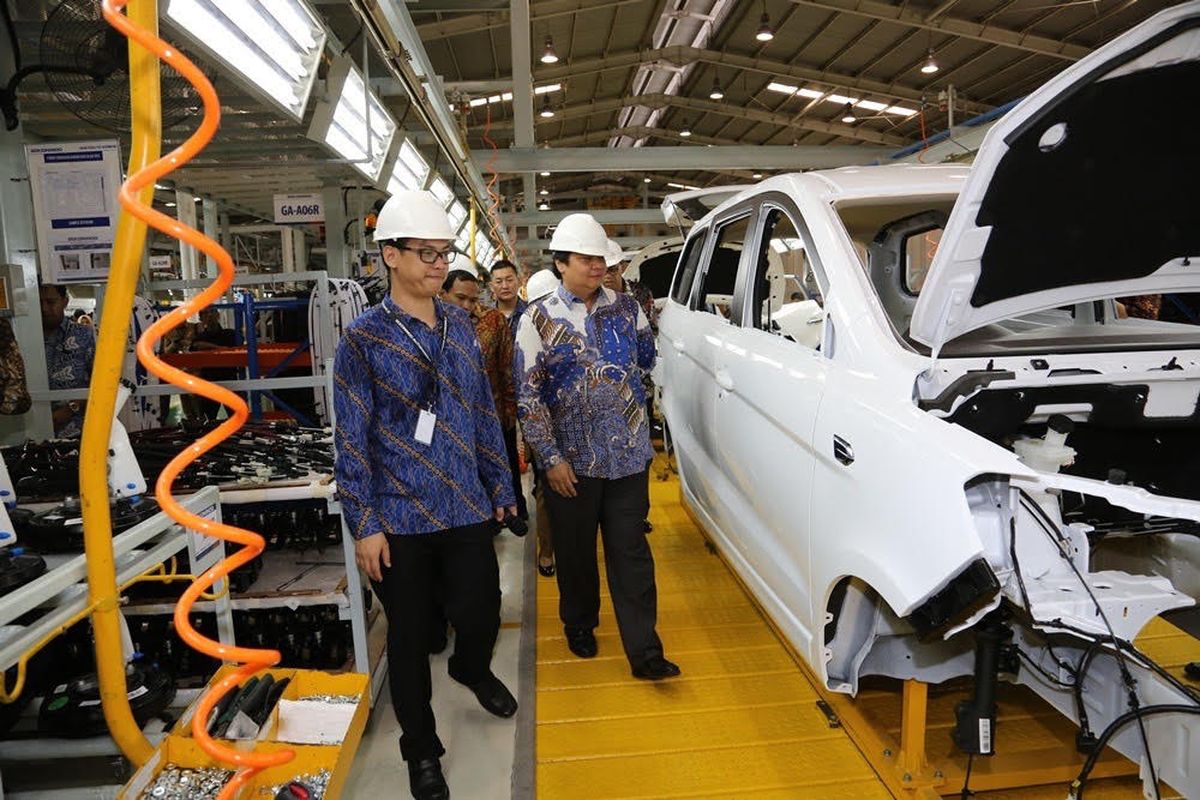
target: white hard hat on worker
<point>540,284</point>
<point>413,215</point>
<point>579,233</point>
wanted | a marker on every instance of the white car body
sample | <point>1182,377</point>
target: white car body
<point>852,446</point>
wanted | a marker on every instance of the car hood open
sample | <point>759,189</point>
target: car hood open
<point>1086,190</point>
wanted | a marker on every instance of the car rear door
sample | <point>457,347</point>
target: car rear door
<point>771,373</point>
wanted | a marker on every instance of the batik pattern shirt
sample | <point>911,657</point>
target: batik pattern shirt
<point>70,351</point>
<point>579,383</point>
<point>387,480</point>
<point>14,391</point>
<point>515,319</point>
<point>495,338</point>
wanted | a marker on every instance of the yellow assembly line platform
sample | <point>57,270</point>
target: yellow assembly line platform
<point>746,721</point>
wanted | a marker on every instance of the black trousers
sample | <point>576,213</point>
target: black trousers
<point>619,508</point>
<point>462,561</point>
<point>514,465</point>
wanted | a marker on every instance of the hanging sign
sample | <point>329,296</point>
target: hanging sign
<point>74,186</point>
<point>291,208</point>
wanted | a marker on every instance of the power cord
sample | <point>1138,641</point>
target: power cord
<point>1048,526</point>
<point>966,792</point>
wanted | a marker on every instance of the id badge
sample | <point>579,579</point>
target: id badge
<point>425,422</point>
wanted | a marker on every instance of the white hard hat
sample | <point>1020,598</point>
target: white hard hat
<point>540,284</point>
<point>614,255</point>
<point>413,215</point>
<point>579,233</point>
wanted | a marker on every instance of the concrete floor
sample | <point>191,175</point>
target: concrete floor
<point>480,749</point>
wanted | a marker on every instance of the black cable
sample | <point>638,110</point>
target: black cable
<point>1045,673</point>
<point>1048,527</point>
<point>1080,783</point>
<point>966,792</point>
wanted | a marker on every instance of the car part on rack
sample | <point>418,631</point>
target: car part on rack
<point>73,709</point>
<point>17,569</point>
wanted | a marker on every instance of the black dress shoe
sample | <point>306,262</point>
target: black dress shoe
<point>516,525</point>
<point>546,570</point>
<point>426,781</point>
<point>494,696</point>
<point>655,668</point>
<point>582,642</point>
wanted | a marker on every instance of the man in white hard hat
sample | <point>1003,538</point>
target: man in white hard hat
<point>581,353</point>
<point>422,475</point>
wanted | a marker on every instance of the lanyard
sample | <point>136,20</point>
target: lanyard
<point>434,388</point>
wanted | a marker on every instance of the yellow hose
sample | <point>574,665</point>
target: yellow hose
<point>146,107</point>
<point>471,245</point>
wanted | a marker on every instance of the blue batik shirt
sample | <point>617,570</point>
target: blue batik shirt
<point>580,396</point>
<point>70,351</point>
<point>387,480</point>
<point>515,319</point>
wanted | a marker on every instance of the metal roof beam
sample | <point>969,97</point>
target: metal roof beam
<point>640,132</point>
<point>688,55</point>
<point>980,32</point>
<point>640,159</point>
<point>859,133</point>
<point>474,23</point>
<point>622,216</point>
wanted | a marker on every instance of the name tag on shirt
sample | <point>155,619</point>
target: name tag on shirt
<point>425,423</point>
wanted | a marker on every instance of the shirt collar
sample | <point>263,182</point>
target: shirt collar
<point>408,319</point>
<point>603,298</point>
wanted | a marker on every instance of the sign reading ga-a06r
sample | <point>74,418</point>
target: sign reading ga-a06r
<point>299,208</point>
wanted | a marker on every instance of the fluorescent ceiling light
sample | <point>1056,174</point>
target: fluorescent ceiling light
<point>682,186</point>
<point>901,110</point>
<point>545,173</point>
<point>841,99</point>
<point>344,125</point>
<point>811,94</point>
<point>273,46</point>
<point>782,87</point>
<point>409,170</point>
<point>871,105</point>
<point>442,191</point>
<point>757,176</point>
<point>506,97</point>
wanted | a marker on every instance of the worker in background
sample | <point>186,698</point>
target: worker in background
<point>70,350</point>
<point>211,335</point>
<point>14,391</point>
<point>462,289</point>
<point>504,285</point>
<point>539,285</point>
<point>581,353</point>
<point>422,476</point>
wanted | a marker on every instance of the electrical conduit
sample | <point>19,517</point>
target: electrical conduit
<point>146,107</point>
<point>253,661</point>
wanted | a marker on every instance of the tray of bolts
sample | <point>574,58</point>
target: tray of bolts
<point>320,717</point>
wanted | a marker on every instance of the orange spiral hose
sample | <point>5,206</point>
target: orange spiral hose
<point>248,763</point>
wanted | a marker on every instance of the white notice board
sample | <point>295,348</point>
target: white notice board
<point>75,207</point>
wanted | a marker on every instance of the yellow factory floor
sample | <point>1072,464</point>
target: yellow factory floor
<point>742,721</point>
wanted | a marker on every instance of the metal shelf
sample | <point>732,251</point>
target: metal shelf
<point>63,590</point>
<point>288,580</point>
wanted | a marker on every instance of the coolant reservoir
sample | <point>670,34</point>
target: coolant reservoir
<point>1049,453</point>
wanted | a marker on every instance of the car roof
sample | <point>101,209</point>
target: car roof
<point>859,183</point>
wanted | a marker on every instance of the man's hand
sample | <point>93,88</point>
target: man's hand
<point>562,479</point>
<point>371,553</point>
<point>501,513</point>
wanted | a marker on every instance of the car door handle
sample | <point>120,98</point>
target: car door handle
<point>842,451</point>
<point>724,380</point>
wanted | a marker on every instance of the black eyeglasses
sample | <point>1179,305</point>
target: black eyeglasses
<point>430,256</point>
